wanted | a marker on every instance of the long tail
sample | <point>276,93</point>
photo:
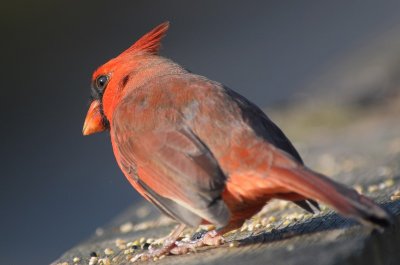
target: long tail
<point>346,201</point>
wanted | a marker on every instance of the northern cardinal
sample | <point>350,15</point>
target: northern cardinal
<point>199,151</point>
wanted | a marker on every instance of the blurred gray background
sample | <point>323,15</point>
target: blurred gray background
<point>58,186</point>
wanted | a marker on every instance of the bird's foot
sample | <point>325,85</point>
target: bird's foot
<point>210,238</point>
<point>175,247</point>
<point>153,253</point>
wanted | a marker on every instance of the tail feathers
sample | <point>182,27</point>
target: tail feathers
<point>308,205</point>
<point>346,201</point>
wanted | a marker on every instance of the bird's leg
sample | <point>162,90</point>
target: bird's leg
<point>210,238</point>
<point>168,244</point>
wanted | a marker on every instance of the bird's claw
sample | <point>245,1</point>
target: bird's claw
<point>152,253</point>
<point>211,238</point>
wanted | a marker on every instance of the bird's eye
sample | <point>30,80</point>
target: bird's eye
<point>101,82</point>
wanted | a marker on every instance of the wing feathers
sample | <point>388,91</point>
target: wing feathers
<point>177,172</point>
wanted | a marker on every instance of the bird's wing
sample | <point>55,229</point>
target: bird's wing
<point>170,166</point>
<point>268,130</point>
<point>263,126</point>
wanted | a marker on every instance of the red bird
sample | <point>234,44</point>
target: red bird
<point>201,152</point>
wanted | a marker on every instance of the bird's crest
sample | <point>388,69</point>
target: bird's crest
<point>151,41</point>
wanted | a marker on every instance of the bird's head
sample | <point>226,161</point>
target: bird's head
<point>109,80</point>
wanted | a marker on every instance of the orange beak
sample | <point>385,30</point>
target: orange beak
<point>94,120</point>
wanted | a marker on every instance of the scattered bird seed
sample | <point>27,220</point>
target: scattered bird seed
<point>128,251</point>
<point>119,241</point>
<point>290,248</point>
<point>389,182</point>
<point>150,240</point>
<point>108,251</point>
<point>373,188</point>
<point>264,221</point>
<point>99,231</point>
<point>93,254</point>
<point>186,239</point>
<point>358,188</point>
<point>143,212</point>
<point>106,261</point>
<point>396,195</point>
<point>76,259</point>
<point>233,244</point>
<point>125,228</point>
<point>210,227</point>
<point>269,226</point>
<point>93,260</point>
<point>121,244</point>
<point>145,246</point>
<point>134,247</point>
<point>142,240</point>
<point>121,247</point>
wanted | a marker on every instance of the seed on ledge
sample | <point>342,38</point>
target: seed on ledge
<point>122,247</point>
<point>150,240</point>
<point>125,228</point>
<point>134,247</point>
<point>108,251</point>
<point>99,231</point>
<point>119,241</point>
<point>145,246</point>
<point>143,212</point>
<point>210,227</point>
<point>93,260</point>
<point>105,261</point>
<point>358,188</point>
<point>389,182</point>
<point>233,244</point>
<point>373,188</point>
<point>128,251</point>
<point>93,254</point>
<point>121,244</point>
<point>76,259</point>
<point>396,195</point>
